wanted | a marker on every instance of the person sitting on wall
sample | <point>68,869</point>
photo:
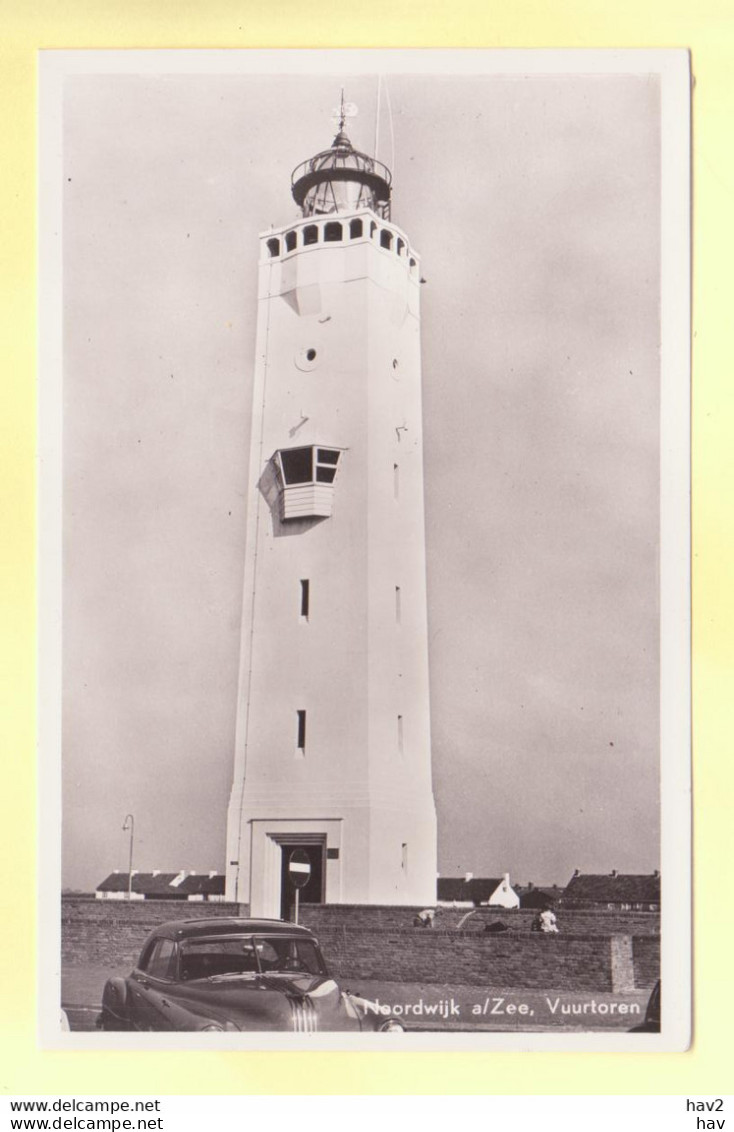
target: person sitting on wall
<point>546,921</point>
<point>424,919</point>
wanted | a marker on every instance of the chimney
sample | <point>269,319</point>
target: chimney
<point>577,872</point>
<point>613,872</point>
<point>656,872</point>
<point>530,886</point>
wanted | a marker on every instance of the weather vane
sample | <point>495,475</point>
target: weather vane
<point>343,111</point>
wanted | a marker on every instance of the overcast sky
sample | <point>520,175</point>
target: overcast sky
<point>534,202</point>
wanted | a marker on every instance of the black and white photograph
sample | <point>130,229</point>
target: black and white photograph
<point>365,549</point>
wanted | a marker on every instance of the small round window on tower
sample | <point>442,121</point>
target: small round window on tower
<point>307,358</point>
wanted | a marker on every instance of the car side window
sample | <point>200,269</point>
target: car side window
<point>161,965</point>
<point>144,960</point>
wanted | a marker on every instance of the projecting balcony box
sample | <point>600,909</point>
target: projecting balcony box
<point>306,481</point>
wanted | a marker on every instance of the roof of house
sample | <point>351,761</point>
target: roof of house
<point>535,896</point>
<point>478,890</point>
<point>614,888</point>
<point>162,884</point>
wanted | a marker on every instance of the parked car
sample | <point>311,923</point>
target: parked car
<point>651,1025</point>
<point>231,974</point>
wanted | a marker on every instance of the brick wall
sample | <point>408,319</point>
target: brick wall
<point>374,942</point>
<point>570,922</point>
<point>646,960</point>
<point>111,932</point>
<point>519,961</point>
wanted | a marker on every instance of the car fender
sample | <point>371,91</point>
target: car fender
<point>115,1003</point>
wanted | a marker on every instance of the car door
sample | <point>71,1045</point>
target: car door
<point>150,987</point>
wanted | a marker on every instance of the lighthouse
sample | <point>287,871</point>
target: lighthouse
<point>333,741</point>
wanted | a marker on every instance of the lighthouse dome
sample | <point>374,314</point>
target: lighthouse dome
<point>341,179</point>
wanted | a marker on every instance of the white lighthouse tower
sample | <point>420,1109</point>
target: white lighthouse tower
<point>333,745</point>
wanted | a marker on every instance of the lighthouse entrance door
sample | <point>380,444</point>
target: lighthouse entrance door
<point>313,891</point>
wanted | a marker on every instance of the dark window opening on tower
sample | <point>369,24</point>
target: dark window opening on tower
<point>355,229</point>
<point>301,730</point>
<point>401,247</point>
<point>273,247</point>
<point>385,238</point>
<point>297,465</point>
<point>306,476</point>
<point>333,231</point>
<point>411,263</point>
<point>325,474</point>
<point>291,239</point>
<point>310,235</point>
<point>373,228</point>
<point>305,595</point>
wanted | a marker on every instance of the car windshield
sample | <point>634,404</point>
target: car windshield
<point>281,954</point>
<point>206,958</point>
<point>202,958</point>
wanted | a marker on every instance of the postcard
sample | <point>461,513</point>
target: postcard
<point>365,568</point>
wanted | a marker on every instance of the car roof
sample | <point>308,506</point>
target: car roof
<point>228,925</point>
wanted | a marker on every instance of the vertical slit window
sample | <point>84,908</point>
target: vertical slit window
<point>404,856</point>
<point>301,731</point>
<point>291,239</point>
<point>305,595</point>
<point>398,607</point>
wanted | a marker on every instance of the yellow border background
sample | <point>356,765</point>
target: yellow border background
<point>707,28</point>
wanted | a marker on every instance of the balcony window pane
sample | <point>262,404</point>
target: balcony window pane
<point>297,465</point>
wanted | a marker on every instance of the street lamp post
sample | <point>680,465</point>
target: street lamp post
<point>129,823</point>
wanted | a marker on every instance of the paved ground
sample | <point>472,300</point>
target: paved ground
<point>426,1006</point>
